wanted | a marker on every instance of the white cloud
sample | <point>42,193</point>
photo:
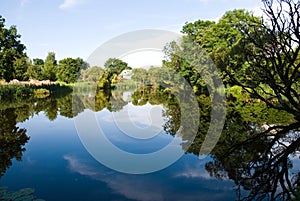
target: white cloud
<point>24,2</point>
<point>144,58</point>
<point>69,3</point>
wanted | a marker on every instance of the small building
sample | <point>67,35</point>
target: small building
<point>126,74</point>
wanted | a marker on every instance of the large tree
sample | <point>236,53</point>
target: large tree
<point>113,67</point>
<point>21,66</point>
<point>11,49</point>
<point>92,74</point>
<point>214,39</point>
<point>272,53</point>
<point>260,54</point>
<point>139,75</point>
<point>50,67</point>
<point>34,70</point>
<point>69,68</point>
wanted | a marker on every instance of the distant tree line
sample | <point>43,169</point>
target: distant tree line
<point>262,56</point>
<point>15,64</point>
<point>66,70</point>
<point>112,69</point>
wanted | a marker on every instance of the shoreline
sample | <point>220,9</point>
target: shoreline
<point>31,82</point>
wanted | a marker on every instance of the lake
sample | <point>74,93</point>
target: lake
<point>58,147</point>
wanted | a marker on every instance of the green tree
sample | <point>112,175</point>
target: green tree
<point>69,68</point>
<point>260,55</point>
<point>34,71</point>
<point>50,67</point>
<point>38,61</point>
<point>21,66</point>
<point>272,53</point>
<point>11,49</point>
<point>113,67</point>
<point>139,75</point>
<point>217,40</point>
<point>177,61</point>
<point>92,74</point>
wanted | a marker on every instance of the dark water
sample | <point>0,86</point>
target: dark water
<point>56,163</point>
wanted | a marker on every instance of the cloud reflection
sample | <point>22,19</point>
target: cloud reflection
<point>155,186</point>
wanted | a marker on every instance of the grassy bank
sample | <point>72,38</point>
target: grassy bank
<point>14,91</point>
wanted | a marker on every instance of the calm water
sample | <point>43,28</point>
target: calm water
<point>58,166</point>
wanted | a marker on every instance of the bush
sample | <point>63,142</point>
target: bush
<point>41,93</point>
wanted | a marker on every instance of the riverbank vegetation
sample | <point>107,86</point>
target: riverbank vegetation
<point>15,91</point>
<point>257,59</point>
<point>259,55</point>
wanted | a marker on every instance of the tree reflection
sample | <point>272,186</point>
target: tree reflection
<point>258,161</point>
<point>260,164</point>
<point>12,139</point>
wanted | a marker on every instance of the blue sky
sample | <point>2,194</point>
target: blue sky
<point>75,28</point>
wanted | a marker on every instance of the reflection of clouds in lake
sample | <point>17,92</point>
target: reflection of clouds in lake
<point>76,166</point>
<point>119,183</point>
<point>105,116</point>
<point>29,160</point>
<point>156,187</point>
<point>146,115</point>
<point>296,163</point>
<point>140,122</point>
<point>194,170</point>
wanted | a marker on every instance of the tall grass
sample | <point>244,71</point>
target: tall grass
<point>12,92</point>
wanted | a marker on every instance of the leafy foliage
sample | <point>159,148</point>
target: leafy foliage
<point>20,68</point>
<point>113,67</point>
<point>49,68</point>
<point>11,50</point>
<point>69,68</point>
<point>34,70</point>
<point>272,52</point>
<point>92,74</point>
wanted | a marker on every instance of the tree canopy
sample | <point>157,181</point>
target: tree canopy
<point>113,67</point>
<point>272,53</point>
<point>260,55</point>
<point>92,74</point>
<point>49,68</point>
<point>69,68</point>
<point>11,50</point>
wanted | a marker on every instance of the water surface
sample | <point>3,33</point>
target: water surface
<point>59,167</point>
